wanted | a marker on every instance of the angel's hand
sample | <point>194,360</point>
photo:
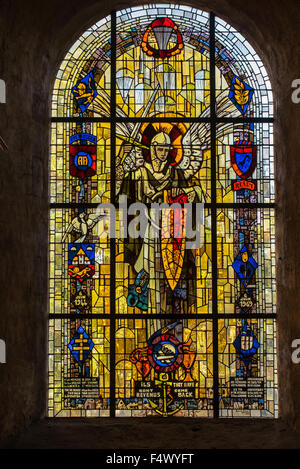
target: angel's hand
<point>192,169</point>
<point>176,191</point>
<point>133,160</point>
<point>195,165</point>
<point>191,194</point>
<point>139,159</point>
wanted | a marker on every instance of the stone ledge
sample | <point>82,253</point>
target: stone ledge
<point>156,433</point>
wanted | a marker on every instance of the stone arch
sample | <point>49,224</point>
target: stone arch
<point>58,32</point>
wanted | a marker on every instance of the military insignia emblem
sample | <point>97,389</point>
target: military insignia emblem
<point>81,261</point>
<point>165,353</point>
<point>244,266</point>
<point>83,155</point>
<point>85,91</point>
<point>162,39</point>
<point>138,293</point>
<point>163,356</point>
<point>81,345</point>
<point>240,94</point>
<point>243,158</point>
<point>246,344</point>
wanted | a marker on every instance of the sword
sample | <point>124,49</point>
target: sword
<point>132,141</point>
<point>136,128</point>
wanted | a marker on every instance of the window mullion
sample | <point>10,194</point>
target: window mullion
<point>214,212</point>
<point>112,200</point>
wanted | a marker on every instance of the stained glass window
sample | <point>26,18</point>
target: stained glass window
<point>162,104</point>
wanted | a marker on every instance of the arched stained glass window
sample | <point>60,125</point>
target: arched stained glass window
<point>162,104</point>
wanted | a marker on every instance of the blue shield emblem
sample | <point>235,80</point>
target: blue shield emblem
<point>246,344</point>
<point>243,158</point>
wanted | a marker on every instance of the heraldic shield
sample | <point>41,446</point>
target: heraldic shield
<point>83,156</point>
<point>81,261</point>
<point>173,239</point>
<point>243,158</point>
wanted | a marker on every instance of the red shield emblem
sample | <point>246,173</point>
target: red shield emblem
<point>83,160</point>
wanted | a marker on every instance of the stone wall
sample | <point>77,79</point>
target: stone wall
<point>34,37</point>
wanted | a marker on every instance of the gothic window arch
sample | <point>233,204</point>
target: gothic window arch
<point>162,103</point>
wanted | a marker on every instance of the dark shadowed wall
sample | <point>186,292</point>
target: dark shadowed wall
<point>34,37</point>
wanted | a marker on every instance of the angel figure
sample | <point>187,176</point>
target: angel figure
<point>82,224</point>
<point>161,167</point>
<point>158,162</point>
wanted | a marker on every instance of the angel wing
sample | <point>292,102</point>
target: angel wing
<point>197,138</point>
<point>192,146</point>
